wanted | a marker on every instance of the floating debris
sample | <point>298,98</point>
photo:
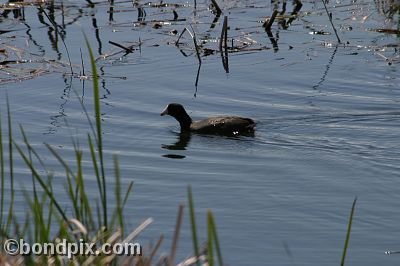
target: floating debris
<point>387,31</point>
<point>319,32</point>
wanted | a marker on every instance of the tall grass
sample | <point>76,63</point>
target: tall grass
<point>87,219</point>
<point>100,175</point>
<point>6,216</point>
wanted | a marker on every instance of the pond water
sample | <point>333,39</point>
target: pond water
<point>327,120</point>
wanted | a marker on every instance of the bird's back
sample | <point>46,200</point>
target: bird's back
<point>227,125</point>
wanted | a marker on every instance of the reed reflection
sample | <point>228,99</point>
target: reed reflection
<point>17,12</point>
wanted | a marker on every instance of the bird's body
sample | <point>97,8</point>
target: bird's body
<point>223,124</point>
<point>219,125</point>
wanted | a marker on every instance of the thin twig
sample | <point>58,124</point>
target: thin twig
<point>193,35</point>
<point>126,49</point>
<point>177,41</point>
<point>197,80</point>
<point>268,23</point>
<point>218,10</point>
<point>195,44</point>
<point>83,65</point>
<point>330,19</point>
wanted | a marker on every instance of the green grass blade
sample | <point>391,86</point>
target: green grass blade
<point>50,212</point>
<point>118,196</point>
<point>42,183</point>
<point>127,193</point>
<point>193,225</point>
<point>60,160</point>
<point>215,236</point>
<point>30,158</point>
<point>346,243</point>
<point>95,166</point>
<point>85,211</point>
<point>210,249</point>
<point>72,195</point>
<point>11,166</point>
<point>100,184</point>
<point>31,149</point>
<point>37,219</point>
<point>96,99</point>
<point>80,100</point>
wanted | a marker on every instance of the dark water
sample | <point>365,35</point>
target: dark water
<point>328,122</point>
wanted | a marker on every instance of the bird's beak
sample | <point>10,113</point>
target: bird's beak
<point>165,112</point>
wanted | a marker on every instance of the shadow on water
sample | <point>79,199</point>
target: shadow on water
<point>183,140</point>
<point>180,144</point>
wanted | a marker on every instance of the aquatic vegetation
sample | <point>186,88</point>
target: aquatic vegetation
<point>165,21</point>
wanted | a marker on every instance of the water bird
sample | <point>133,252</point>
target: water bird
<point>219,125</point>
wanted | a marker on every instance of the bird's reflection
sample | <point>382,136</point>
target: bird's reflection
<point>181,144</point>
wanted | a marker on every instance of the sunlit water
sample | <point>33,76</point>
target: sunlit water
<point>327,126</point>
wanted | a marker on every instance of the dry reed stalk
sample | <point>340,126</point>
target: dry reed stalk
<point>178,225</point>
<point>155,249</point>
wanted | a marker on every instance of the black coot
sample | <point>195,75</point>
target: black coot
<point>220,125</point>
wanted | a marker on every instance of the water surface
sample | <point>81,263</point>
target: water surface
<point>327,122</point>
